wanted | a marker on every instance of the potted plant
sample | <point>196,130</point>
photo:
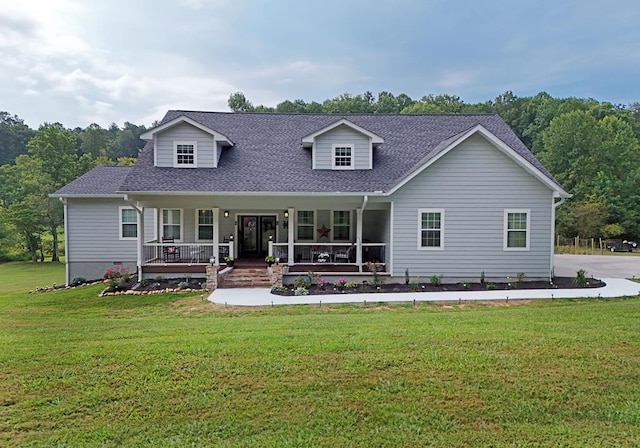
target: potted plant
<point>270,259</point>
<point>229,260</point>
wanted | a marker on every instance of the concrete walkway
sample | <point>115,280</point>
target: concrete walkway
<point>262,297</point>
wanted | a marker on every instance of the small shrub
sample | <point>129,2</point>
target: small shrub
<point>313,277</point>
<point>78,281</point>
<point>351,285</point>
<point>184,285</point>
<point>491,286</point>
<point>322,284</point>
<point>301,291</point>
<point>435,280</point>
<point>302,282</point>
<point>277,289</point>
<point>414,284</point>
<point>521,276</point>
<point>144,282</point>
<point>375,268</point>
<point>340,283</point>
<point>581,279</point>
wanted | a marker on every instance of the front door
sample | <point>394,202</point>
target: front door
<point>253,235</point>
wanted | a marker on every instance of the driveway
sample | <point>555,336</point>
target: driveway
<point>600,266</point>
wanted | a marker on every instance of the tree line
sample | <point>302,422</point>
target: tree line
<point>591,147</point>
<point>37,163</point>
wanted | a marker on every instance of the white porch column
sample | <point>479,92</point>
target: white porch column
<point>291,237</point>
<point>216,234</point>
<point>140,211</point>
<point>359,238</point>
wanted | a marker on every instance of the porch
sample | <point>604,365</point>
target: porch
<point>323,237</point>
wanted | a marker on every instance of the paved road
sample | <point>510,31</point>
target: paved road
<point>611,266</point>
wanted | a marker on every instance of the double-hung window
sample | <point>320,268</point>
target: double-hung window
<point>172,224</point>
<point>184,154</point>
<point>341,225</point>
<point>305,225</point>
<point>430,229</point>
<point>342,157</point>
<point>128,223</point>
<point>516,229</point>
<point>204,221</point>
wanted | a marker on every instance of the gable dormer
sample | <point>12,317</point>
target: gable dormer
<point>185,143</point>
<point>342,145</point>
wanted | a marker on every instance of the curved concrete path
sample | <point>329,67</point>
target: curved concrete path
<point>262,296</point>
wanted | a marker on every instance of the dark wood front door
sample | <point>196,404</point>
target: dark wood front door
<point>253,235</point>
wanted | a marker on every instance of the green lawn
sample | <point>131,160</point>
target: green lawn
<point>169,370</point>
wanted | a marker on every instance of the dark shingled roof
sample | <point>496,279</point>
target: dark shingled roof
<point>268,156</point>
<point>102,180</point>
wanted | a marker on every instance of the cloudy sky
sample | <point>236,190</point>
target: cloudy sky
<point>84,61</point>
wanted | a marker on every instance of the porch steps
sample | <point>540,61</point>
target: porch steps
<point>247,277</point>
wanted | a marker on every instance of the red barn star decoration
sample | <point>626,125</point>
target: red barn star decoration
<point>323,231</point>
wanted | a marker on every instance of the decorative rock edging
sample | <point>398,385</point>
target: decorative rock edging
<point>61,287</point>
<point>131,292</point>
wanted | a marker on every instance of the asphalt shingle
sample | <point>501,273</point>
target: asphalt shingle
<point>268,156</point>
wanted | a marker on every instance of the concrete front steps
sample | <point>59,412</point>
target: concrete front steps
<point>247,277</point>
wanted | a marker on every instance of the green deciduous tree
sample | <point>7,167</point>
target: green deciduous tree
<point>14,135</point>
<point>51,163</point>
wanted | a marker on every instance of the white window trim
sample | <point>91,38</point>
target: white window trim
<point>315,223</point>
<point>181,223</point>
<point>419,228</point>
<point>333,233</point>
<point>195,154</point>
<point>197,225</point>
<point>506,229</point>
<point>121,223</point>
<point>333,156</point>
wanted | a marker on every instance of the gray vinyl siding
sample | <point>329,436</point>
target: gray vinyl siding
<point>474,184</point>
<point>342,135</point>
<point>185,133</point>
<point>93,242</point>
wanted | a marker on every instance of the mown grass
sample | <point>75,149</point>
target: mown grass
<point>169,370</point>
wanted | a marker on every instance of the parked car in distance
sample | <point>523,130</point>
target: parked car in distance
<point>620,245</point>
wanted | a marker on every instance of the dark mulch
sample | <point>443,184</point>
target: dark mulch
<point>558,283</point>
<point>170,283</point>
<point>160,285</point>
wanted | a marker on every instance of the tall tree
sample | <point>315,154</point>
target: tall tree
<point>52,162</point>
<point>14,135</point>
<point>238,103</point>
<point>95,139</point>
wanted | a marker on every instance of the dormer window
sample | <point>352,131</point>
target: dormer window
<point>184,154</point>
<point>342,157</point>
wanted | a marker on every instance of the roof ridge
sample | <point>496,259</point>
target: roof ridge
<point>341,114</point>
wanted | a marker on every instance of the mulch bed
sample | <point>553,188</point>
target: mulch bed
<point>157,286</point>
<point>559,283</point>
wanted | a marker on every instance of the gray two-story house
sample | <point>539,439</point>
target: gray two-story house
<point>447,195</point>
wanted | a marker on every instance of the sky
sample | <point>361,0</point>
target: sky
<point>95,61</point>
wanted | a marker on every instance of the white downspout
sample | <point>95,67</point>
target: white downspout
<point>66,241</point>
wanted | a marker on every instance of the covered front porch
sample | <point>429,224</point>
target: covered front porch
<point>337,235</point>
